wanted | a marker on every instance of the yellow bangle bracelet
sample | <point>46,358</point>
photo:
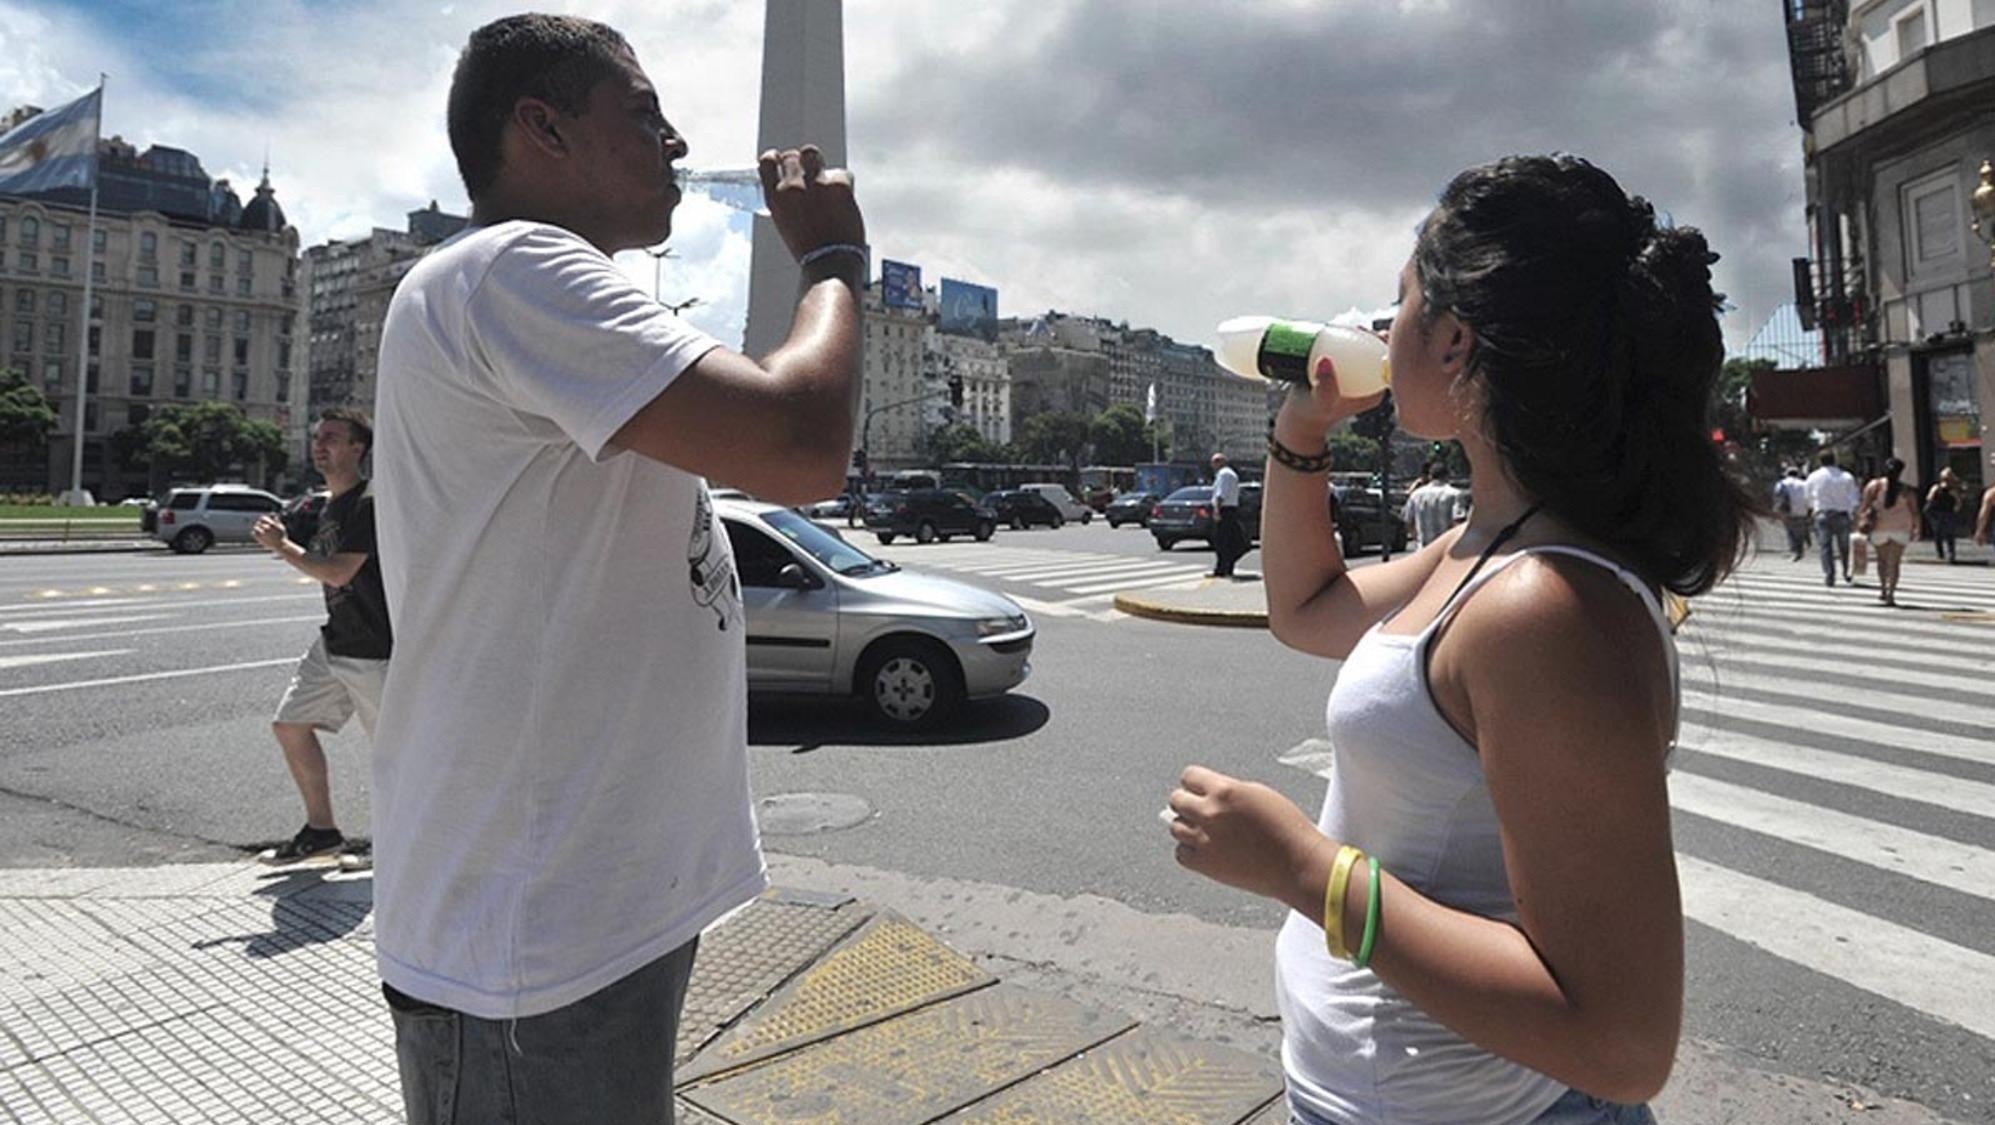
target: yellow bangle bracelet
<point>1333,900</point>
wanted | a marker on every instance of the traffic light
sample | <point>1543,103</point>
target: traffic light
<point>956,390</point>
<point>859,459</point>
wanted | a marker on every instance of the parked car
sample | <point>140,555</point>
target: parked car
<point>1019,509</point>
<point>1069,507</point>
<point>1131,507</point>
<point>194,519</point>
<point>301,515</point>
<point>1355,512</point>
<point>825,618</point>
<point>1187,514</point>
<point>836,508</point>
<point>927,514</point>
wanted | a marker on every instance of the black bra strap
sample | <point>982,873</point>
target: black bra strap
<point>1508,533</point>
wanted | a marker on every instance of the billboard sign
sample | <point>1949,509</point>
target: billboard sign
<point>968,310</point>
<point>900,285</point>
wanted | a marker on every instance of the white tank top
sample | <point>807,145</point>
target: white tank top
<point>1409,789</point>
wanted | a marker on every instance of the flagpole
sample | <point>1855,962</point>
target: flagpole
<point>83,337</point>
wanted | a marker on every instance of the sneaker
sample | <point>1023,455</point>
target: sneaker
<point>309,843</point>
<point>357,855</point>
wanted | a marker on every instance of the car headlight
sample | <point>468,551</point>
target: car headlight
<point>994,626</point>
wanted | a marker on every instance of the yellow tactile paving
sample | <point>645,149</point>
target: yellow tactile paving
<point>1147,1075</point>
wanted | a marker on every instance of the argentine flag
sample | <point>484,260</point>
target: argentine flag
<point>56,149</point>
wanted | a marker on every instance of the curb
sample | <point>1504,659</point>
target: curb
<point>1135,605</point>
<point>112,547</point>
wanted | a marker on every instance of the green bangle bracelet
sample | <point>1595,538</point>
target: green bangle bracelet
<point>1371,916</point>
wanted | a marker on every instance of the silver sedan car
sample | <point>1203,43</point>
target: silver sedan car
<point>826,618</point>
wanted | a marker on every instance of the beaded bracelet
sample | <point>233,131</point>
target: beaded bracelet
<point>863,253</point>
<point>1298,462</point>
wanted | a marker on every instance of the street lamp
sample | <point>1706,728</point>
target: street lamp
<point>675,308</point>
<point>1984,209</point>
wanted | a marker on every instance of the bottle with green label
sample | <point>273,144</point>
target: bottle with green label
<point>1290,351</point>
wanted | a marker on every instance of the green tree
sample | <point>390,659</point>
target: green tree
<point>1350,453</point>
<point>960,441</point>
<point>1050,437</point>
<point>26,418</point>
<point>1121,436</point>
<point>206,440</point>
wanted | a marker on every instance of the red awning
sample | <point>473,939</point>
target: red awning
<point>1824,398</point>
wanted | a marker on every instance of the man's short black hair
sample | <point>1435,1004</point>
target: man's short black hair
<point>358,425</point>
<point>1828,457</point>
<point>557,59</point>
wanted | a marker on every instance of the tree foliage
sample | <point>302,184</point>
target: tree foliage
<point>1047,438</point>
<point>960,441</point>
<point>26,417</point>
<point>1122,437</point>
<point>208,440</point>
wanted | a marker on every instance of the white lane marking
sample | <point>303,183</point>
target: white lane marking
<point>1874,954</point>
<point>1793,666</point>
<point>1035,572</point>
<point>1808,717</point>
<point>41,609</point>
<point>1975,798</point>
<point>167,603</point>
<point>1708,626</point>
<point>1178,578</point>
<point>1113,574</point>
<point>55,657</point>
<point>1046,609</point>
<point>1877,697</point>
<point>169,629</point>
<point>46,688</point>
<point>45,625</point>
<point>1978,661</point>
<point>1901,851</point>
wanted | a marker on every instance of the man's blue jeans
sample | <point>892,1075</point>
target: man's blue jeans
<point>1833,530</point>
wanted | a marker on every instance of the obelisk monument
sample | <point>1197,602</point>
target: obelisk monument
<point>803,102</point>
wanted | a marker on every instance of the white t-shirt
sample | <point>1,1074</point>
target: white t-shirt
<point>1831,489</point>
<point>1432,509</point>
<point>1226,487</point>
<point>560,771</point>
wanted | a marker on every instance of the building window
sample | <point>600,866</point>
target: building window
<point>211,383</point>
<point>1932,224</point>
<point>242,286</point>
<point>31,231</point>
<point>241,386</point>
<point>149,277</point>
<point>52,337</point>
<point>183,382</point>
<point>97,242</point>
<point>58,267</point>
<point>183,348</point>
<point>30,262</point>
<point>96,338</point>
<point>24,301</point>
<point>216,255</point>
<point>90,413</point>
<point>139,414</point>
<point>145,310</point>
<point>242,320</point>
<point>189,257</point>
<point>96,306</point>
<point>245,262</point>
<point>3,227</point>
<point>283,386</point>
<point>58,303</point>
<point>183,316</point>
<point>52,375</point>
<point>142,380</point>
<point>148,246</point>
<point>211,349</point>
<point>90,379</point>
<point>1911,29</point>
<point>142,343</point>
<point>242,351</point>
<point>214,283</point>
<point>97,272</point>
<point>24,336</point>
<point>283,353</point>
<point>187,281</point>
<point>60,235</point>
<point>214,320</point>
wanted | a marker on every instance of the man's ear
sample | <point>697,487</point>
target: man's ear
<point>539,127</point>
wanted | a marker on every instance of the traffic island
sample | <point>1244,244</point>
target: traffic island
<point>1237,602</point>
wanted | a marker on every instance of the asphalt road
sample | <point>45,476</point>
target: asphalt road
<point>135,692</point>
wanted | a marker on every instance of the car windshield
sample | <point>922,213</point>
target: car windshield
<point>1185,495</point>
<point>836,554</point>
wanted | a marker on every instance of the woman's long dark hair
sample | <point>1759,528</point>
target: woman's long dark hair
<point>1596,349</point>
<point>1893,469</point>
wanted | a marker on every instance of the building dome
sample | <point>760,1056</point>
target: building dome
<point>262,213</point>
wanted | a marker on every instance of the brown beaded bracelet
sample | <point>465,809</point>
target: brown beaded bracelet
<point>1299,462</point>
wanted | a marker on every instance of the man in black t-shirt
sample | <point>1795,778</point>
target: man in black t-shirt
<point>341,675</point>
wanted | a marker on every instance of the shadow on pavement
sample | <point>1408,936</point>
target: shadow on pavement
<point>295,921</point>
<point>804,725</point>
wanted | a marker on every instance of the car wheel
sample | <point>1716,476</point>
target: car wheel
<point>886,540</point>
<point>985,530</point>
<point>1058,522</point>
<point>924,532</point>
<point>1018,523</point>
<point>1164,544</point>
<point>1112,524</point>
<point>193,541</point>
<point>1087,518</point>
<point>910,682</point>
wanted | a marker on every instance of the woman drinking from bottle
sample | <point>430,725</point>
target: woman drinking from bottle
<point>1485,918</point>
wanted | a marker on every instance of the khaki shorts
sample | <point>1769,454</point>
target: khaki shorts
<point>326,691</point>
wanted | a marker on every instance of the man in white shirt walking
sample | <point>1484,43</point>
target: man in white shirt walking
<point>1833,496</point>
<point>561,775</point>
<point>1790,503</point>
<point>1229,538</point>
<point>1433,507</point>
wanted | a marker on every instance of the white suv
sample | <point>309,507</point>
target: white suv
<point>1060,498</point>
<point>194,519</point>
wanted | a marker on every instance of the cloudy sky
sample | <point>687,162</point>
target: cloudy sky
<point>1169,163</point>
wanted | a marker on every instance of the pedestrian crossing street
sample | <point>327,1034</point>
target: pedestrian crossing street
<point>1070,583</point>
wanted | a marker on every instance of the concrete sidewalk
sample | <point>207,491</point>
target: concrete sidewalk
<point>234,993</point>
<point>1239,601</point>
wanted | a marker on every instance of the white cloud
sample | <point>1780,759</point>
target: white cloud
<point>1165,164</point>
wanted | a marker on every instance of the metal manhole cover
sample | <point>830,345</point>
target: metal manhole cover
<point>802,814</point>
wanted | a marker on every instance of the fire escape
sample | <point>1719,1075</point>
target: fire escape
<point>1829,287</point>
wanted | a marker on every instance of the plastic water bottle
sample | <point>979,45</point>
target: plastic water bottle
<point>1266,347</point>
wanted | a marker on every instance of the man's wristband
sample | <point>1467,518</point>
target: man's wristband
<point>861,252</point>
